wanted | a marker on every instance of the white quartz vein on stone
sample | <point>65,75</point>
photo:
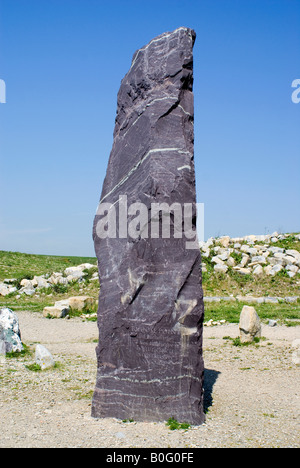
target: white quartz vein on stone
<point>107,390</point>
<point>184,167</point>
<point>150,104</point>
<point>126,379</point>
<point>137,165</point>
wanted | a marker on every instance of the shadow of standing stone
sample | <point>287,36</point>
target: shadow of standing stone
<point>210,378</point>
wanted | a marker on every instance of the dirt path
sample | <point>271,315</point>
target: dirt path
<point>252,394</point>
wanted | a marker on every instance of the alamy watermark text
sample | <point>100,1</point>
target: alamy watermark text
<point>160,220</point>
<point>296,93</point>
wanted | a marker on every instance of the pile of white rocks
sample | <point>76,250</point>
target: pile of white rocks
<point>258,255</point>
<point>31,287</point>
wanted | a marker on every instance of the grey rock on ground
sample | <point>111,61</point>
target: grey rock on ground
<point>10,331</point>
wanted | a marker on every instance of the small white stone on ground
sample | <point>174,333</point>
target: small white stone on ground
<point>43,357</point>
<point>250,326</point>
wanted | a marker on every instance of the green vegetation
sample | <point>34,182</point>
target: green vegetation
<point>20,265</point>
<point>34,367</point>
<point>25,266</point>
<point>89,273</point>
<point>231,311</point>
<point>26,352</point>
<point>290,243</point>
<point>87,311</point>
<point>218,284</point>
<point>37,368</point>
<point>173,424</point>
<point>233,282</point>
<point>237,341</point>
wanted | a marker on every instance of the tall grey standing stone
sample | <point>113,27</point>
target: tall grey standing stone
<point>150,316</point>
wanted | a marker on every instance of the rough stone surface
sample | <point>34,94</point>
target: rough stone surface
<point>250,326</point>
<point>10,331</point>
<point>150,316</point>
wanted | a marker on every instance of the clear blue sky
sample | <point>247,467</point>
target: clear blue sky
<point>63,61</point>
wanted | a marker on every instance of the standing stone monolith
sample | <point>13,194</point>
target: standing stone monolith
<point>150,316</point>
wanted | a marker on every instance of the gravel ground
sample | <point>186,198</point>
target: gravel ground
<point>252,393</point>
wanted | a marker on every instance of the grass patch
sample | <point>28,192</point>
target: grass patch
<point>237,342</point>
<point>231,312</point>
<point>85,396</point>
<point>89,273</point>
<point>19,354</point>
<point>26,266</point>
<point>34,367</point>
<point>237,257</point>
<point>233,282</point>
<point>174,425</point>
<point>20,265</point>
<point>87,312</point>
<point>59,288</point>
<point>290,243</point>
<point>292,323</point>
